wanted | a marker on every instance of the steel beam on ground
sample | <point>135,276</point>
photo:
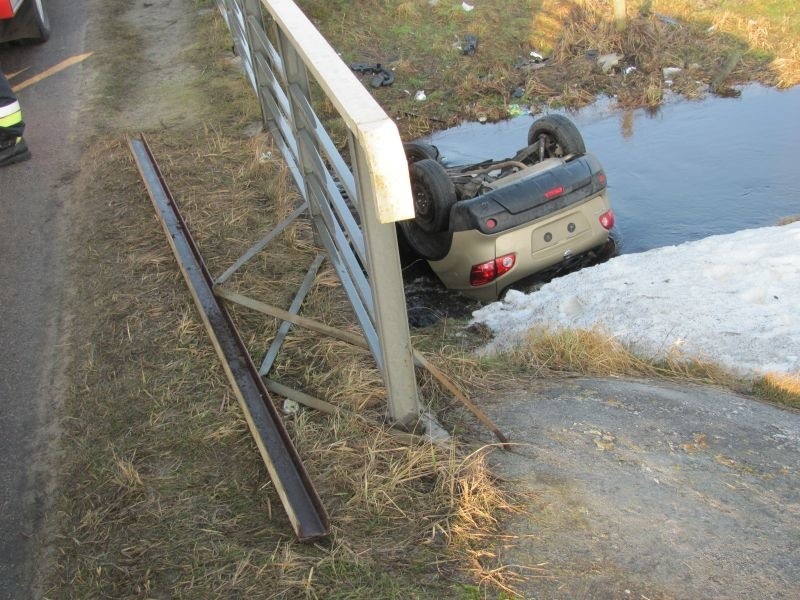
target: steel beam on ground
<point>298,496</point>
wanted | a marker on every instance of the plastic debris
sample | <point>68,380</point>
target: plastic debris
<point>536,61</point>
<point>420,96</point>
<point>470,45</point>
<point>668,20</point>
<point>515,110</point>
<point>607,62</point>
<point>380,76</point>
<point>467,7</point>
<point>290,407</point>
<point>670,72</point>
<point>628,70</point>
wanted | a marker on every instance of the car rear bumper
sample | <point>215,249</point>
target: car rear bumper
<point>538,245</point>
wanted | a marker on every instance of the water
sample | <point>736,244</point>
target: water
<point>690,170</point>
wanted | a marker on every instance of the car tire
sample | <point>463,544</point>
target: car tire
<point>561,136</point>
<point>434,195</point>
<point>35,19</point>
<point>430,246</point>
<point>417,151</point>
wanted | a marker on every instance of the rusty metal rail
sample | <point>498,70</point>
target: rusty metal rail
<point>300,500</point>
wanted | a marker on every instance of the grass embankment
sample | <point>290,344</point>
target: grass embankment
<point>715,44</point>
<point>163,493</point>
<point>552,352</point>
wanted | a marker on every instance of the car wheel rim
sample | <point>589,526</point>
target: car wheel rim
<point>423,207</point>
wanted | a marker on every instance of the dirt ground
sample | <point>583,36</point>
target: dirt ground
<point>651,490</point>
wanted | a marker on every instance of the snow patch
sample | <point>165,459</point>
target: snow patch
<point>733,299</point>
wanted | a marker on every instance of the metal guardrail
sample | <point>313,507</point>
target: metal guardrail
<point>298,496</point>
<point>353,200</point>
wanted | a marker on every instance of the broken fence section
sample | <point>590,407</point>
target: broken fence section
<point>298,496</point>
<point>355,191</point>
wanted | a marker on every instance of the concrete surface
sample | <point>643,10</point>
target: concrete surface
<point>651,490</point>
<point>32,199</point>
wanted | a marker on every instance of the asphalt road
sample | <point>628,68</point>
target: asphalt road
<point>33,197</point>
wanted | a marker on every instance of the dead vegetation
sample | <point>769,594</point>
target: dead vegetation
<point>706,47</point>
<point>594,352</point>
<point>547,352</point>
<point>780,388</point>
<point>163,487</point>
<point>163,491</point>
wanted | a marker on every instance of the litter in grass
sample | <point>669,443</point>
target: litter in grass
<point>381,77</point>
<point>608,62</point>
<point>470,45</point>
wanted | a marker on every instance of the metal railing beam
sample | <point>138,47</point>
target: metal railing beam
<point>298,496</point>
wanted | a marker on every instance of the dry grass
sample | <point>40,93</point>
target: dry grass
<point>547,352</point>
<point>781,388</point>
<point>163,492</point>
<point>594,352</point>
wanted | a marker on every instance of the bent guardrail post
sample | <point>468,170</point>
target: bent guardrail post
<point>389,296</point>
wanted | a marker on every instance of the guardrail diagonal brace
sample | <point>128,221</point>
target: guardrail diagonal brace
<point>305,287</point>
<point>261,244</point>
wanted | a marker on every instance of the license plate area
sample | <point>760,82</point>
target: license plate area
<point>558,232</point>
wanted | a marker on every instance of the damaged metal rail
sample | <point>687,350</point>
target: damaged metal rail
<point>298,496</point>
<point>355,192</point>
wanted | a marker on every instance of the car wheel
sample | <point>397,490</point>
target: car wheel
<point>36,21</point>
<point>434,195</point>
<point>430,246</point>
<point>559,136</point>
<point>417,151</point>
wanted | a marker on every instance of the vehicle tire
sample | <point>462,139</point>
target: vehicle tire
<point>561,136</point>
<point>417,151</point>
<point>434,195</point>
<point>430,246</point>
<point>36,22</point>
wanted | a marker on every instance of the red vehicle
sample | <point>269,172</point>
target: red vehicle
<point>23,20</point>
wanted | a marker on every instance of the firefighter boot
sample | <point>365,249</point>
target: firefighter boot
<point>13,151</point>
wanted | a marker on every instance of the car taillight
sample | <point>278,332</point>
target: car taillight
<point>607,219</point>
<point>489,271</point>
<point>555,192</point>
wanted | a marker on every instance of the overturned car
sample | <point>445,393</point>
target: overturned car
<point>485,226</point>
